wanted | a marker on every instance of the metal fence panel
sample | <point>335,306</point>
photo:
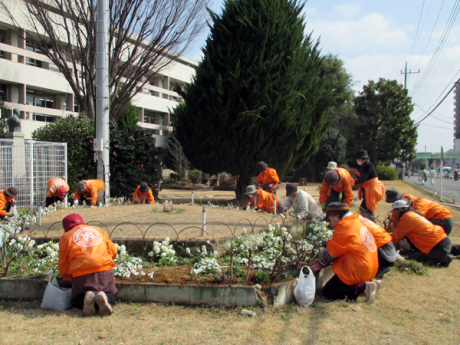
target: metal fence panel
<point>27,165</point>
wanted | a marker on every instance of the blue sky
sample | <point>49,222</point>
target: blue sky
<point>376,38</point>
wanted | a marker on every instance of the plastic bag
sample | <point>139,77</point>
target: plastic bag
<point>304,291</point>
<point>55,297</point>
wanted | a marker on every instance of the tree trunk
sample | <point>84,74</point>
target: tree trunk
<point>241,186</point>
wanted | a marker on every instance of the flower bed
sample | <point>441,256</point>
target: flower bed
<point>248,259</point>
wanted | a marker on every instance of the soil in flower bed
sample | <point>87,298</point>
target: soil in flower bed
<point>132,221</point>
<point>181,275</point>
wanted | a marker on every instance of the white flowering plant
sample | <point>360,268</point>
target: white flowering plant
<point>204,260</point>
<point>129,266</point>
<point>45,258</point>
<point>163,253</point>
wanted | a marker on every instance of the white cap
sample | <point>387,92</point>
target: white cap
<point>331,165</point>
<point>402,203</point>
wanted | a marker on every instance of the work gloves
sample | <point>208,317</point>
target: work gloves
<point>75,202</point>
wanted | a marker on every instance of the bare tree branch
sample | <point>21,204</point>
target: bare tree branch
<point>145,36</point>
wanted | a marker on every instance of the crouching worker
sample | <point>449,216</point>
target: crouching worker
<point>143,194</point>
<point>434,212</point>
<point>386,249</point>
<point>57,190</point>
<point>303,204</point>
<point>7,202</point>
<point>86,257</point>
<point>352,251</point>
<point>430,243</point>
<point>264,200</point>
<point>93,189</point>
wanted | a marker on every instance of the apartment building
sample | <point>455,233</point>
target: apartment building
<point>30,82</point>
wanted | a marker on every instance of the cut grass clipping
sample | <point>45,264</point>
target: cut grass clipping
<point>411,267</point>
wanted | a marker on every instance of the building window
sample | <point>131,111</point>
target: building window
<point>4,92</point>
<point>30,46</point>
<point>2,40</point>
<point>40,99</point>
<point>43,118</point>
<point>33,62</point>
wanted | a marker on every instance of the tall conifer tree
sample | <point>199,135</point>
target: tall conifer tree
<point>258,94</point>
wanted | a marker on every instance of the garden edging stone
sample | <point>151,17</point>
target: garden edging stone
<point>225,295</point>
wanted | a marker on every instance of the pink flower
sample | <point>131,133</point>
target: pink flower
<point>142,165</point>
<point>91,141</point>
<point>132,161</point>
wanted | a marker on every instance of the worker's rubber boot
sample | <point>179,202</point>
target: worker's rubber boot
<point>89,308</point>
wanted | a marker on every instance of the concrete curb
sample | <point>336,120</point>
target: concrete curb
<point>225,295</point>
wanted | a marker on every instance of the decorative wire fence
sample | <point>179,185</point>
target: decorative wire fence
<point>27,165</point>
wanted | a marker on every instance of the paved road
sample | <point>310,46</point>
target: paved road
<point>450,188</point>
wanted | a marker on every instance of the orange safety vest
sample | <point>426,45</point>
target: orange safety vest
<point>84,250</point>
<point>147,196</point>
<point>429,209</point>
<point>346,182</point>
<point>92,187</point>
<point>4,199</point>
<point>375,191</point>
<point>265,200</point>
<point>356,251</point>
<point>54,184</point>
<point>422,234</point>
<point>381,236</point>
<point>268,176</point>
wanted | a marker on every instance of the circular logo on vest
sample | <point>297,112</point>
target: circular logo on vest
<point>87,237</point>
<point>368,239</point>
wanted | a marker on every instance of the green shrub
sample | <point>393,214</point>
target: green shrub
<point>386,173</point>
<point>261,277</point>
<point>195,175</point>
<point>133,155</point>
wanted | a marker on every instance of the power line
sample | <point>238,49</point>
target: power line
<point>442,120</point>
<point>438,51</point>
<point>416,32</point>
<point>442,100</point>
<point>431,34</point>
<point>424,124</point>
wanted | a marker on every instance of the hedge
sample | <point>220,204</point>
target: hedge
<point>386,173</point>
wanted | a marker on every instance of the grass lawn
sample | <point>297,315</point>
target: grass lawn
<point>410,310</point>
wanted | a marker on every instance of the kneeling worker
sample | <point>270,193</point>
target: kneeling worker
<point>86,257</point>
<point>432,245</point>
<point>386,249</point>
<point>143,194</point>
<point>352,251</point>
<point>336,187</point>
<point>57,189</point>
<point>434,212</point>
<point>7,197</point>
<point>303,204</point>
<point>93,189</point>
<point>267,178</point>
<point>265,200</point>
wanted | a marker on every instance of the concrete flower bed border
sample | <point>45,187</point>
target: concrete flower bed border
<point>231,296</point>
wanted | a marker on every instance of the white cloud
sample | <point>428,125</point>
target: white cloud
<point>372,31</point>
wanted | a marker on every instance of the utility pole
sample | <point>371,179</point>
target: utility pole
<point>102,140</point>
<point>406,73</point>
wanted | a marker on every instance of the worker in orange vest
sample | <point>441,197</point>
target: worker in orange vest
<point>268,178</point>
<point>265,200</point>
<point>7,197</point>
<point>57,190</point>
<point>352,252</point>
<point>336,187</point>
<point>143,194</point>
<point>86,259</point>
<point>431,244</point>
<point>93,189</point>
<point>433,211</point>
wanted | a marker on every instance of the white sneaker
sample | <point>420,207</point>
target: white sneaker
<point>104,306</point>
<point>378,288</point>
<point>369,291</point>
<point>89,308</point>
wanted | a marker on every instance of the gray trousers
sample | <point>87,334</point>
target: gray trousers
<point>447,224</point>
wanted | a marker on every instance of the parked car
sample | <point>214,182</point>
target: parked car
<point>416,172</point>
